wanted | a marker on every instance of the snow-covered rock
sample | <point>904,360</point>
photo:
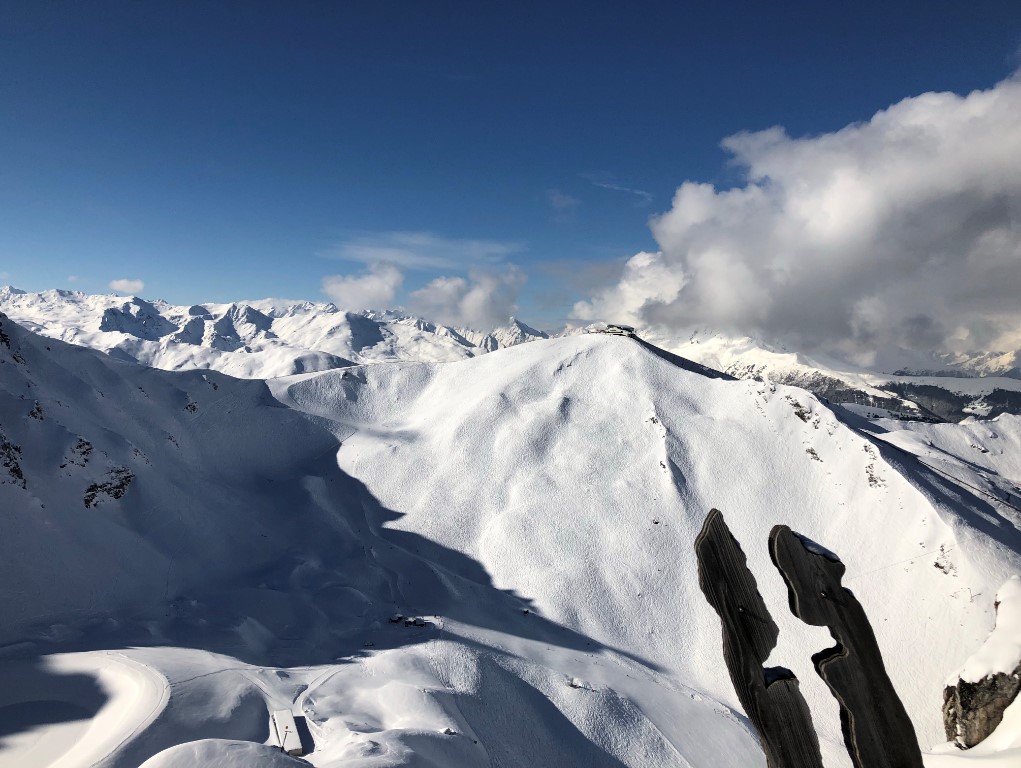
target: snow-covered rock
<point>975,702</point>
<point>515,332</point>
<point>1006,364</point>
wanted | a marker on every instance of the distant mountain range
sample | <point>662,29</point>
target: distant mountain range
<point>252,340</point>
<point>267,338</point>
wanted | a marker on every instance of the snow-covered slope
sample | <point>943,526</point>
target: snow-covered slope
<point>985,454</point>
<point>578,472</point>
<point>183,554</point>
<point>256,339</point>
<point>906,363</point>
<point>122,485</point>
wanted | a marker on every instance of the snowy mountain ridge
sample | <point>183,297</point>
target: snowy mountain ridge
<point>268,338</point>
<point>945,395</point>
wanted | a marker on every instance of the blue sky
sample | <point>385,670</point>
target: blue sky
<point>219,151</point>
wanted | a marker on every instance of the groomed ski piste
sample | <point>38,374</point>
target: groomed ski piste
<point>477,563</point>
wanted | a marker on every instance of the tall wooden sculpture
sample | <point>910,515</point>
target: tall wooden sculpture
<point>770,697</point>
<point>877,730</point>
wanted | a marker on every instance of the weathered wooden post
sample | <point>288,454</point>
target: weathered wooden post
<point>770,697</point>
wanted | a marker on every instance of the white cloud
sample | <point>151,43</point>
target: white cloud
<point>74,279</point>
<point>374,289</point>
<point>482,301</point>
<point>127,286</point>
<point>647,279</point>
<point>901,231</point>
<point>423,250</point>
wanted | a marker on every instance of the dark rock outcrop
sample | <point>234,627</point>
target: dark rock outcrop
<point>114,487</point>
<point>971,711</point>
<point>991,680</point>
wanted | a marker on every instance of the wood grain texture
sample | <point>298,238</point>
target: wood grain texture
<point>877,730</point>
<point>770,697</point>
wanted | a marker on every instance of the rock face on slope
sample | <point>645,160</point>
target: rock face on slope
<point>136,318</point>
<point>991,679</point>
<point>971,711</point>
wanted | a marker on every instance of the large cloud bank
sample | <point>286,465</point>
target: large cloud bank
<point>901,231</point>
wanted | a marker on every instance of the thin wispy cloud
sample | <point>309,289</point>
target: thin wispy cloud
<point>900,232</point>
<point>125,285</point>
<point>423,250</point>
<point>607,181</point>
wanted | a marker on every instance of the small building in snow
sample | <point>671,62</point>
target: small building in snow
<point>286,732</point>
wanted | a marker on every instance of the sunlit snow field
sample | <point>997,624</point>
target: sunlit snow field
<point>528,514</point>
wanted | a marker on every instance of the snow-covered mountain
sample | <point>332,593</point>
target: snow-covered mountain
<point>267,338</point>
<point>480,563</point>
<point>985,364</point>
<point>515,332</point>
<point>256,339</point>
<point>936,395</point>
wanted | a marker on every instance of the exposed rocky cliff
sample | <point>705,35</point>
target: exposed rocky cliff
<point>991,679</point>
